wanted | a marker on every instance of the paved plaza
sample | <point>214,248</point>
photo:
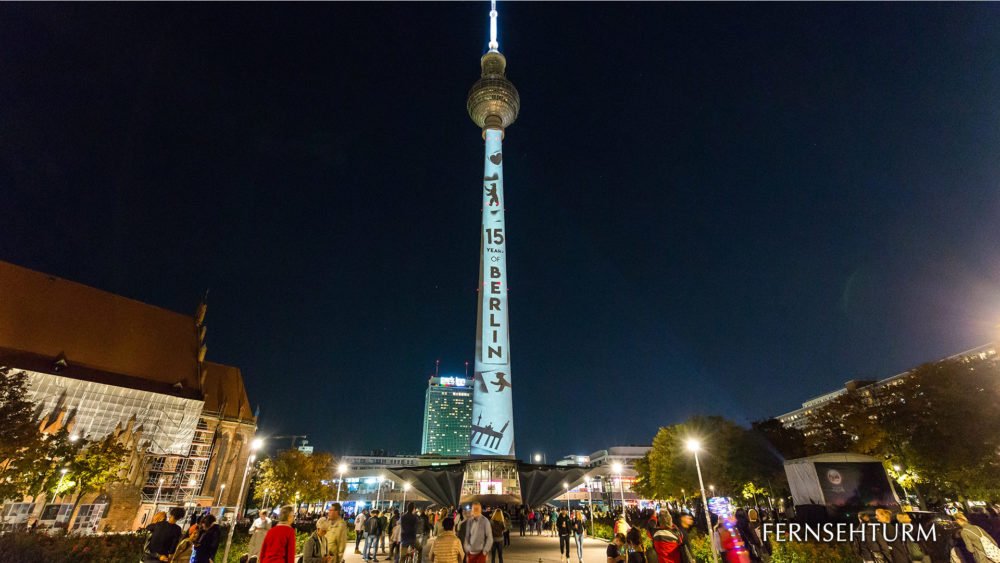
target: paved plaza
<point>530,549</point>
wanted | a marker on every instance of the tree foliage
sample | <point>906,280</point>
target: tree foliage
<point>731,457</point>
<point>940,423</point>
<point>292,472</point>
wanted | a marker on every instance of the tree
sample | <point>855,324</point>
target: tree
<point>98,464</point>
<point>19,434</point>
<point>940,423</point>
<point>292,472</point>
<point>731,457</point>
<point>790,443</point>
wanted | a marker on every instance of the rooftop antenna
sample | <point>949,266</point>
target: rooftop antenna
<point>467,370</point>
<point>494,46</point>
<point>437,367</point>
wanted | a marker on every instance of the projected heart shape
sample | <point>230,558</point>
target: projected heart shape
<point>496,158</point>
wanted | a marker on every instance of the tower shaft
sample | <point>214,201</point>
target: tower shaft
<point>492,407</point>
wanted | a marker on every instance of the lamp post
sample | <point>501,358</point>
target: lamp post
<point>342,469</point>
<point>156,501</point>
<point>222,488</point>
<point>617,468</point>
<point>59,486</point>
<point>254,446</point>
<point>694,446</point>
<point>263,501</point>
<point>406,487</point>
<point>590,501</point>
<point>378,491</point>
<point>906,494</point>
<point>566,486</point>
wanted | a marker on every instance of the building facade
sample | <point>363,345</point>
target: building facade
<point>108,364</point>
<point>447,416</point>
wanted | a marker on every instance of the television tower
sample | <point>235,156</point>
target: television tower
<point>493,104</point>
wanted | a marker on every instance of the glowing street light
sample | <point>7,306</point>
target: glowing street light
<point>340,469</point>
<point>221,489</point>
<point>406,487</point>
<point>694,446</point>
<point>378,490</point>
<point>617,468</point>
<point>566,486</point>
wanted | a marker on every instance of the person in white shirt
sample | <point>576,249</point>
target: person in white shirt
<point>258,530</point>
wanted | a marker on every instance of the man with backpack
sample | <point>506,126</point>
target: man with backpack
<point>977,541</point>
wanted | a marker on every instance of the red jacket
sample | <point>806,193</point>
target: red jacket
<point>667,543</point>
<point>278,546</point>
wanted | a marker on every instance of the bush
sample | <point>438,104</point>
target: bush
<point>603,531</point>
<point>808,552</point>
<point>19,547</point>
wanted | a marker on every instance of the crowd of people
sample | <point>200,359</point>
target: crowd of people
<point>474,534</point>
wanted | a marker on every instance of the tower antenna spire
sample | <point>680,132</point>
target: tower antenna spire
<point>494,46</point>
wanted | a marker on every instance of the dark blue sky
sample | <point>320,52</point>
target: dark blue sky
<point>711,208</point>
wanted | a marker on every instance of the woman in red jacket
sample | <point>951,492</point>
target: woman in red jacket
<point>279,543</point>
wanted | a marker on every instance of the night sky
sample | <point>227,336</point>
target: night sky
<point>711,208</point>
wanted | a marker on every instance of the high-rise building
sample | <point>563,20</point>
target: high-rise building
<point>493,104</point>
<point>447,416</point>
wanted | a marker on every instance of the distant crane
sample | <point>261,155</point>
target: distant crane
<point>293,437</point>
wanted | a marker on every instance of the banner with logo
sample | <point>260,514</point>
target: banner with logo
<point>855,484</point>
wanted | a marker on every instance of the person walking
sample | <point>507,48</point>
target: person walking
<point>371,537</point>
<point>209,535</point>
<point>563,529</point>
<point>183,552</point>
<point>359,530</point>
<point>478,535</point>
<point>447,547</point>
<point>615,552</point>
<point>520,520</point>
<point>666,539</point>
<point>497,527</point>
<point>979,543</point>
<point>258,530</point>
<point>336,536</point>
<point>279,542</point>
<point>163,537</point>
<point>316,548</point>
<point>579,528</point>
<point>636,551</point>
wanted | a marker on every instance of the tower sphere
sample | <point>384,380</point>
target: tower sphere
<point>493,101</point>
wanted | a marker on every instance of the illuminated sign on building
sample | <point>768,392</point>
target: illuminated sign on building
<point>452,382</point>
<point>490,487</point>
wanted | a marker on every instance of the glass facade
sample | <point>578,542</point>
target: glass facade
<point>447,416</point>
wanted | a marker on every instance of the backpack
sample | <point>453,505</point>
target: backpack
<point>989,548</point>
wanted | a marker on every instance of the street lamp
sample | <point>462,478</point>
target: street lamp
<point>566,486</point>
<point>539,458</point>
<point>255,445</point>
<point>899,473</point>
<point>590,501</point>
<point>406,487</point>
<point>341,469</point>
<point>694,446</point>
<point>378,490</point>
<point>59,486</point>
<point>617,468</point>
<point>221,489</point>
<point>156,501</point>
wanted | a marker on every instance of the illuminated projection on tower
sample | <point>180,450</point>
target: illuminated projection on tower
<point>493,105</point>
<point>492,412</point>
